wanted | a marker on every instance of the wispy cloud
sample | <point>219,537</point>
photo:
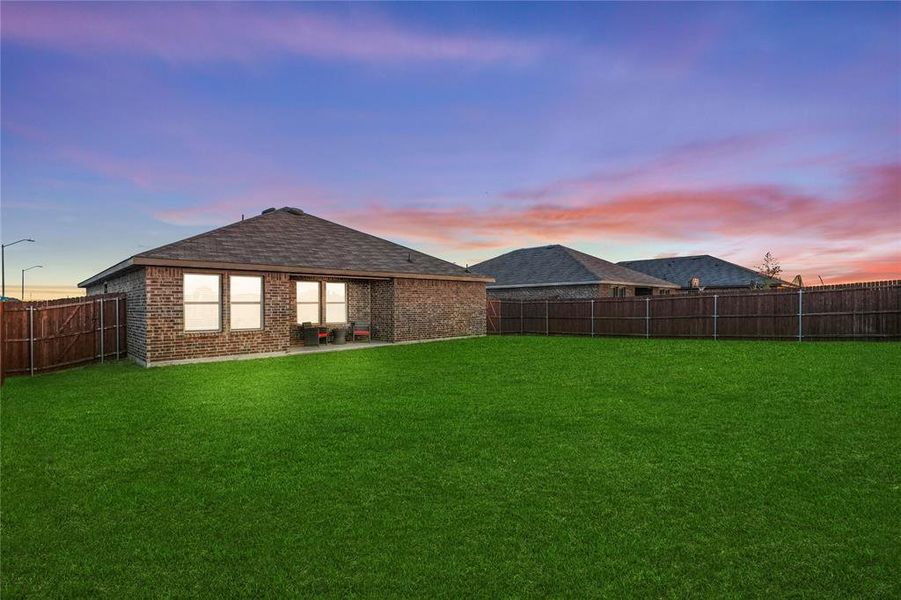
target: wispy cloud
<point>764,216</point>
<point>230,32</point>
<point>872,199</point>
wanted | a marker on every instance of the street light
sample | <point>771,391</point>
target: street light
<point>23,278</point>
<point>3,262</point>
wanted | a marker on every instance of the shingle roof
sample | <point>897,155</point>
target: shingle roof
<point>547,265</point>
<point>291,238</point>
<point>712,271</point>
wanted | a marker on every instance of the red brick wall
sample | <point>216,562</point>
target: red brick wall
<point>383,310</point>
<point>399,310</point>
<point>166,335</point>
<point>428,309</point>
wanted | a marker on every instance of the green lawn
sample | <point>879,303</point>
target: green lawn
<point>498,466</point>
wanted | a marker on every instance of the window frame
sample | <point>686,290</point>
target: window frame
<point>326,302</point>
<point>185,302</point>
<point>232,302</point>
<point>297,301</point>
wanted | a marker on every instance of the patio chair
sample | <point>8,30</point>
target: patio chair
<point>313,336</point>
<point>360,329</point>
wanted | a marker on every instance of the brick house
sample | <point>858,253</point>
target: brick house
<point>558,272</point>
<point>246,288</point>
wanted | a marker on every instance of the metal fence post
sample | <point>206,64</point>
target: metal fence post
<point>31,340</point>
<point>592,318</point>
<point>800,313</point>
<point>102,331</point>
<point>117,328</point>
<point>714,316</point>
<point>647,317</point>
<point>521,328</point>
<point>547,317</point>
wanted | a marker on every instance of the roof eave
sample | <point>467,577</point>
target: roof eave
<point>141,261</point>
<point>124,265</point>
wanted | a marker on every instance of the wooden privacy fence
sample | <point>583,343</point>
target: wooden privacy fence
<point>44,336</point>
<point>864,313</point>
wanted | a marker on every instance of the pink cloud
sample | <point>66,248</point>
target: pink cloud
<point>871,208</point>
<point>230,32</point>
<point>815,235</point>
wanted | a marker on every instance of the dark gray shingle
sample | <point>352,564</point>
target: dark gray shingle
<point>288,237</point>
<point>559,264</point>
<point>712,271</point>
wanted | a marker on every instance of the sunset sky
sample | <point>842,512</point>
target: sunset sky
<point>463,130</point>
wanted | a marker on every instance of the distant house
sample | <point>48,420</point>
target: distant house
<point>549,272</point>
<point>247,287</point>
<point>705,272</point>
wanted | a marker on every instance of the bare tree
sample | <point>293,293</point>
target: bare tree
<point>770,267</point>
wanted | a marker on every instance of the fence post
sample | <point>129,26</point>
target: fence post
<point>498,307</point>
<point>547,317</point>
<point>800,313</point>
<point>714,316</point>
<point>521,328</point>
<point>31,340</point>
<point>592,318</point>
<point>647,317</point>
<point>102,331</point>
<point>117,328</point>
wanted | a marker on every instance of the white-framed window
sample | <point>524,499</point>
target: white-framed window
<point>335,302</point>
<point>202,308</point>
<point>618,292</point>
<point>246,300</point>
<point>308,302</point>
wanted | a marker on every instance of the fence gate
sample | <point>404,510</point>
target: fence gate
<point>493,316</point>
<point>55,334</point>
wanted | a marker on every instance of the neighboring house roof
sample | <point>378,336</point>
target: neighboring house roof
<point>290,240</point>
<point>712,271</point>
<point>559,265</point>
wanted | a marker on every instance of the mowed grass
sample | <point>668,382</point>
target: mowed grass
<point>487,467</point>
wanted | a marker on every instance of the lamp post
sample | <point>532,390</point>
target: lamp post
<point>23,278</point>
<point>3,262</point>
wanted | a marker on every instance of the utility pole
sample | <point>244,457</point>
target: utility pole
<point>23,279</point>
<point>3,262</point>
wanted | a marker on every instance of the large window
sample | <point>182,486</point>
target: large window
<point>335,302</point>
<point>201,298</point>
<point>308,302</point>
<point>246,299</point>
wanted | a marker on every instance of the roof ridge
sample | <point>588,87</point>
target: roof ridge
<point>668,258</point>
<point>577,255</point>
<point>570,253</point>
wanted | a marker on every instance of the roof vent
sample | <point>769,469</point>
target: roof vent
<point>293,210</point>
<point>267,211</point>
